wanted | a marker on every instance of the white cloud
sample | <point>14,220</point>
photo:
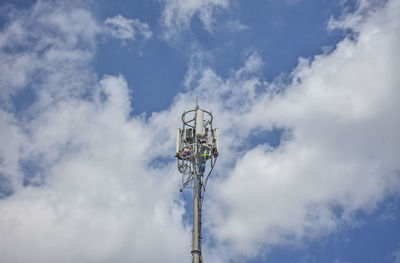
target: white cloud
<point>177,14</point>
<point>354,19</point>
<point>340,152</point>
<point>395,256</point>
<point>292,2</point>
<point>98,199</point>
<point>127,29</point>
<point>45,39</point>
<point>102,198</point>
<point>340,261</point>
<point>236,26</point>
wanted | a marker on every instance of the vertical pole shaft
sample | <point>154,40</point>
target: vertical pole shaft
<point>197,197</point>
<point>196,249</point>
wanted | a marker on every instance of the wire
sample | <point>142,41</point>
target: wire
<point>209,173</point>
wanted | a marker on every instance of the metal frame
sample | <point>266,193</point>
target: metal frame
<point>192,154</point>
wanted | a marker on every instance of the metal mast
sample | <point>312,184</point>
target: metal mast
<point>196,144</point>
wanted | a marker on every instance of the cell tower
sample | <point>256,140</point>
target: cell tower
<point>196,144</point>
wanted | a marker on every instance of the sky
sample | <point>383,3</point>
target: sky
<point>305,94</point>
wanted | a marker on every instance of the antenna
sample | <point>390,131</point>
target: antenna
<point>196,144</point>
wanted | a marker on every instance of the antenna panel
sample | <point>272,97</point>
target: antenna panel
<point>199,123</point>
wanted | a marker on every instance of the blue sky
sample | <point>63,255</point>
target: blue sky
<point>280,32</point>
<point>305,94</point>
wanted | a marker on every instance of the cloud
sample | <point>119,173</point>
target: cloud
<point>353,19</point>
<point>395,256</point>
<point>80,186</point>
<point>292,2</point>
<point>178,14</point>
<point>45,40</point>
<point>236,26</point>
<point>339,151</point>
<point>127,29</point>
<point>104,197</point>
<point>98,201</point>
<point>339,261</point>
